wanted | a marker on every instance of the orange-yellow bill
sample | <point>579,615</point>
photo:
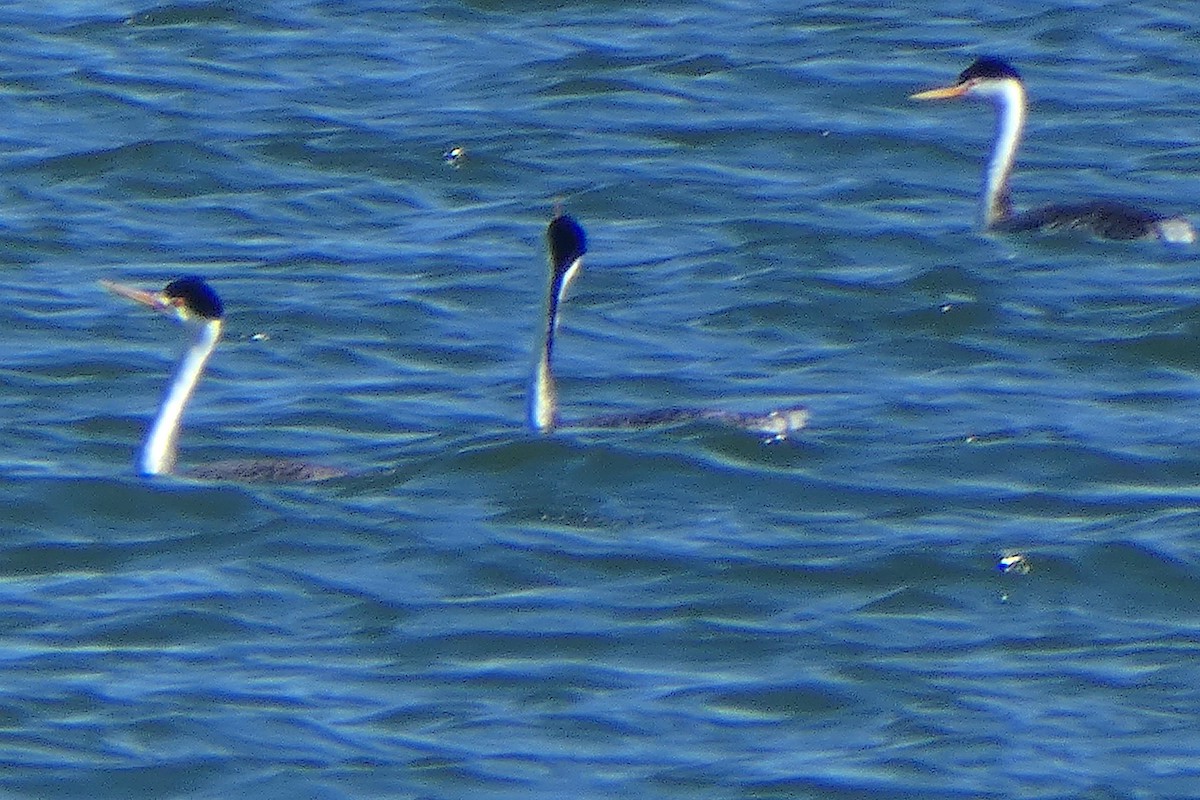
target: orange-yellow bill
<point>149,299</point>
<point>946,93</point>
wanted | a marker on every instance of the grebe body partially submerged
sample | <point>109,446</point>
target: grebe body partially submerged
<point>995,80</point>
<point>567,245</point>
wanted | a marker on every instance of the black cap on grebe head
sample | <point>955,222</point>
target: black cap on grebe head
<point>567,241</point>
<point>194,295</point>
<point>988,68</point>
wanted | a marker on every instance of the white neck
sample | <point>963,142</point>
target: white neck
<point>1009,97</point>
<point>543,396</point>
<point>159,450</point>
<point>543,406</point>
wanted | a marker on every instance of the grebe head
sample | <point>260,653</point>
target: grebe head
<point>190,299</point>
<point>568,243</point>
<point>988,77</point>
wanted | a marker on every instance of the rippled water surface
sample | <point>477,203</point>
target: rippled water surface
<point>675,612</point>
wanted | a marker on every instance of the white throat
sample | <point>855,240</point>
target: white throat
<point>1009,97</point>
<point>543,396</point>
<point>159,450</point>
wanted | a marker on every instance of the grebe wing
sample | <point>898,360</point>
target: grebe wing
<point>264,471</point>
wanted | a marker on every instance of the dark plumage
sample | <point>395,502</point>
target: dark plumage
<point>995,80</point>
<point>264,471</point>
<point>988,67</point>
<point>1104,218</point>
<point>193,302</point>
<point>567,244</point>
<point>199,298</point>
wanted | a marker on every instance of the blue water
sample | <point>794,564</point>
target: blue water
<point>678,612</point>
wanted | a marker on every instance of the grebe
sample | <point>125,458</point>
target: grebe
<point>567,245</point>
<point>995,80</point>
<point>194,303</point>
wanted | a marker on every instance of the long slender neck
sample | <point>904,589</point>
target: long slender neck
<point>543,403</point>
<point>1009,97</point>
<point>158,452</point>
<point>543,396</point>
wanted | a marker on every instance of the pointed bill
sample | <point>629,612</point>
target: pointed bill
<point>946,93</point>
<point>152,300</point>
